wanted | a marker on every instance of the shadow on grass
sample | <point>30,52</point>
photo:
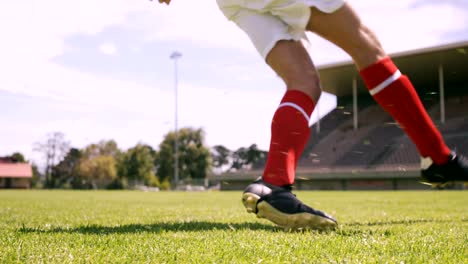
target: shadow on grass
<point>192,226</point>
<point>359,229</point>
<point>196,226</point>
<point>399,222</point>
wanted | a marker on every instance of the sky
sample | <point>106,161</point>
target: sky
<point>101,70</point>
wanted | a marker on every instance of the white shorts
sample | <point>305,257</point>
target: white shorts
<point>269,21</point>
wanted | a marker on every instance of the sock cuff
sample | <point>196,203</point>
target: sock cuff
<point>373,75</point>
<point>301,99</point>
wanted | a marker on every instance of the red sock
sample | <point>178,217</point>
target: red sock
<point>395,93</point>
<point>289,134</point>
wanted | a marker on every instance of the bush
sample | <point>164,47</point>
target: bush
<point>152,181</point>
<point>118,184</point>
<point>165,185</point>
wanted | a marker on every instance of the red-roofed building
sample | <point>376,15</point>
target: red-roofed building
<point>15,174</point>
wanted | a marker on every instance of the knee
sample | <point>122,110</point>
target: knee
<point>315,90</point>
<point>368,50</point>
<point>309,85</point>
<point>316,96</point>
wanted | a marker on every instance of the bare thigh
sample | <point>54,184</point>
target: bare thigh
<point>291,61</point>
<point>345,29</point>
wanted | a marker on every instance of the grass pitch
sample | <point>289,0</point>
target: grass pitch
<point>213,227</point>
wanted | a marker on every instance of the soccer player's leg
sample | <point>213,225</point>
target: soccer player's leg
<point>391,89</point>
<point>270,197</point>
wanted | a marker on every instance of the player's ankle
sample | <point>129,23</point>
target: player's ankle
<point>275,181</point>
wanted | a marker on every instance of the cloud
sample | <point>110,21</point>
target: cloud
<point>34,33</point>
<point>38,34</point>
<point>108,48</point>
<point>403,25</point>
<point>409,21</point>
<point>198,22</point>
<point>33,36</point>
<point>38,31</point>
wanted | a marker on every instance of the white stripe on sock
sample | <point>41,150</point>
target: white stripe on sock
<point>385,83</point>
<point>298,108</point>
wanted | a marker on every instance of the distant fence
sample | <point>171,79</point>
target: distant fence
<point>357,179</point>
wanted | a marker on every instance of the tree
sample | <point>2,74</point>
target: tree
<point>220,156</point>
<point>98,164</point>
<point>36,176</point>
<point>239,159</point>
<point>194,157</point>
<point>18,157</point>
<point>54,149</point>
<point>103,148</point>
<point>67,171</point>
<point>246,158</point>
<point>255,156</point>
<point>98,171</point>
<point>138,165</point>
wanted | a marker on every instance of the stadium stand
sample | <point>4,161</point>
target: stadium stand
<point>377,154</point>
